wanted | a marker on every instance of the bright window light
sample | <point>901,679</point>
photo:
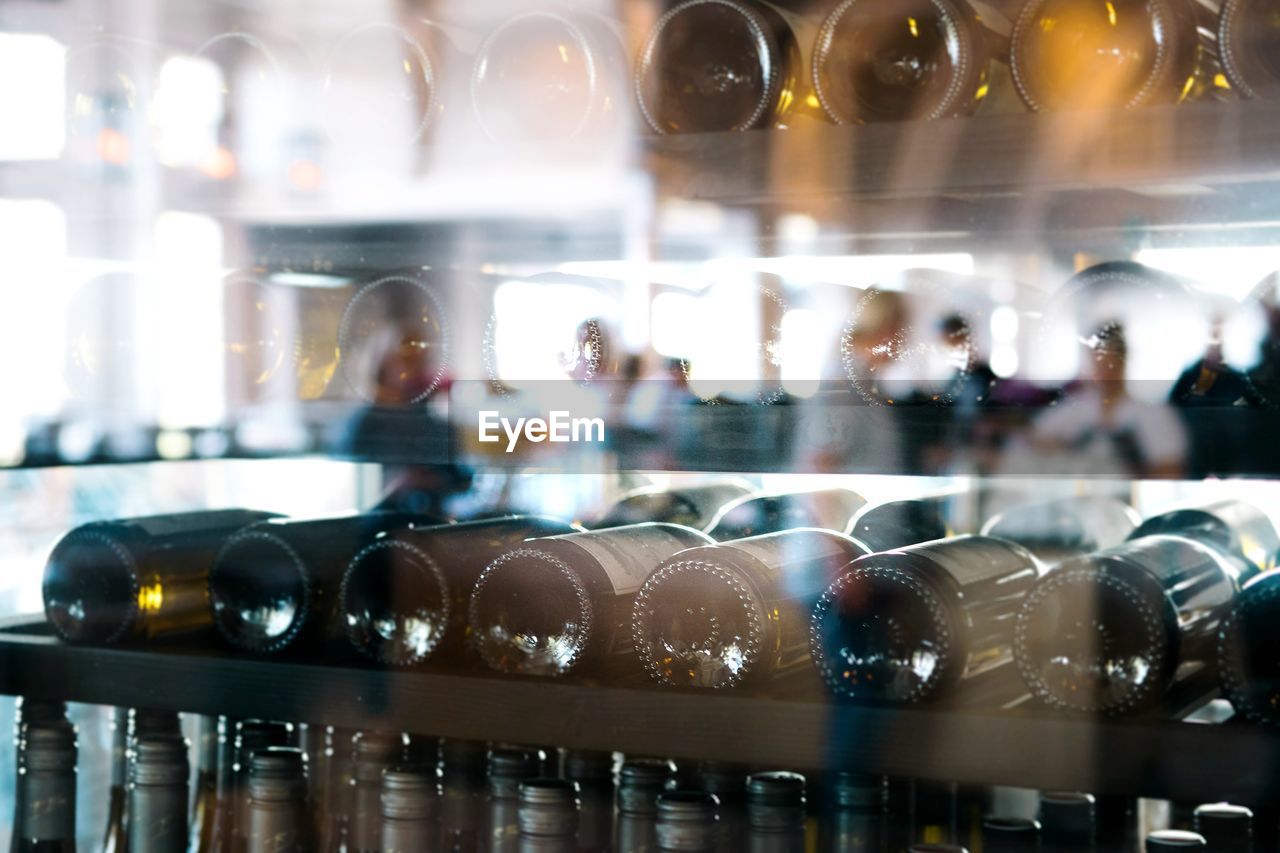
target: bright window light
<point>675,323</point>
<point>32,92</point>
<point>804,347</point>
<point>188,107</point>
<point>184,316</point>
<point>32,326</point>
<point>1230,270</point>
<point>536,328</point>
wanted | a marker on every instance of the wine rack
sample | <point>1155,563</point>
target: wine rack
<point>1179,760</point>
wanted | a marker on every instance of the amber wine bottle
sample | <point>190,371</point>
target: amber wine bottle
<point>1073,54</point>
<point>880,60</point>
<point>137,578</point>
<point>1249,42</point>
<point>552,605</point>
<point>719,65</point>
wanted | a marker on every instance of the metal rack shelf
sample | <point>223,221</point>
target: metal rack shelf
<point>1182,761</point>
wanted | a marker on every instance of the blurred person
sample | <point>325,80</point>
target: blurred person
<point>400,429</point>
<point>1099,428</point>
<point>1210,381</point>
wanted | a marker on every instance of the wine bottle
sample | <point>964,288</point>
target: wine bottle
<point>687,820</point>
<point>1226,828</point>
<point>1178,840</point>
<point>912,625</point>
<point>158,795</point>
<point>897,524</point>
<point>462,804</point>
<point>277,582</point>
<point>1056,529</point>
<point>276,818</point>
<point>404,597</point>
<point>719,65</point>
<point>410,809</point>
<point>556,604</point>
<point>736,612</point>
<point>508,770</point>
<point>728,782</point>
<point>1110,53</point>
<point>547,815</point>
<point>1233,527</point>
<point>137,578</point>
<point>829,509</point>
<point>222,834</point>
<point>204,807</point>
<point>878,60</point>
<point>115,839</point>
<point>371,754</point>
<point>1112,632</point>
<point>1247,654</point>
<point>1249,44</point>
<point>776,812</point>
<point>45,821</point>
<point>593,771</point>
<point>252,737</point>
<point>1068,822</point>
<point>692,506</point>
<point>319,744</point>
<point>640,781</point>
<point>27,712</point>
<point>1010,834</point>
<point>859,804</point>
<point>544,75</point>
<point>935,811</point>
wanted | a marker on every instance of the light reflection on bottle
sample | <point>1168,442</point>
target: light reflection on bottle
<point>393,341</point>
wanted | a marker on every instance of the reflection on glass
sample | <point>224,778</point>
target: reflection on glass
<point>716,65</point>
<point>279,340</point>
<point>1105,53</point>
<point>100,349</point>
<point>394,341</point>
<point>108,88</point>
<point>248,72</point>
<point>380,72</point>
<point>546,76</point>
<point>879,60</point>
<point>912,344</point>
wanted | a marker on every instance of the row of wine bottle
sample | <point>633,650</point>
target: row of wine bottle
<point>876,599</point>
<point>271,787</point>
